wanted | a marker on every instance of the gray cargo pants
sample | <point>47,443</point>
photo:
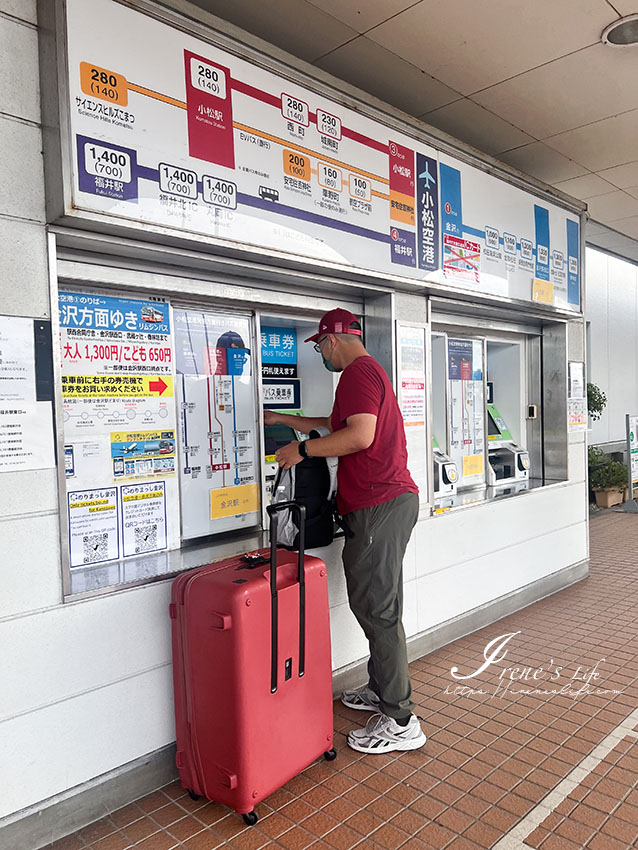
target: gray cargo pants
<point>373,564</point>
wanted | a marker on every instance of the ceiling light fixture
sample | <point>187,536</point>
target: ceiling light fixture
<point>622,33</point>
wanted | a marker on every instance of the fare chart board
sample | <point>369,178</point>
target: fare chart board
<point>169,129</point>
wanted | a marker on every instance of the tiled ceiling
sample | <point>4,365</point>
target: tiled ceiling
<point>527,82</point>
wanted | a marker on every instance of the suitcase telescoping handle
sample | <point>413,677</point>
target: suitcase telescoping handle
<point>273,510</point>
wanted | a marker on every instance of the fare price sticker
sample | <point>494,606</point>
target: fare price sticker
<point>208,78</point>
<point>328,125</point>
<point>219,193</point>
<point>330,177</point>
<point>297,165</point>
<point>177,181</point>
<point>360,187</point>
<point>295,110</point>
<point>509,243</point>
<point>104,84</point>
<point>101,161</point>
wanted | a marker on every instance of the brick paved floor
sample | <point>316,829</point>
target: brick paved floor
<point>501,768</point>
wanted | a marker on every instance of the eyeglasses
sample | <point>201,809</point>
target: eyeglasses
<point>317,345</point>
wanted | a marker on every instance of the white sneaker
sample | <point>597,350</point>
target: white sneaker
<point>382,734</point>
<point>361,699</point>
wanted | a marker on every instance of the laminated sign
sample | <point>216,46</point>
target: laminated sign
<point>119,425</point>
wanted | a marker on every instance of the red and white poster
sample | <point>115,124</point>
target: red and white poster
<point>461,259</point>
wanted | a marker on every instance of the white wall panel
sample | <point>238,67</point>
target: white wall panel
<point>82,646</point>
<point>19,80</point>
<point>409,561</point>
<point>30,564</point>
<point>577,459</point>
<point>612,311</point>
<point>621,390</point>
<point>25,10</point>
<point>21,176</point>
<point>448,593</point>
<point>596,282</point>
<point>331,555</point>
<point>410,609</point>
<point>462,536</point>
<point>23,269</point>
<point>29,491</point>
<point>71,742</point>
<point>348,641</point>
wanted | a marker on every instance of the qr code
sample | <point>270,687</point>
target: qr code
<point>145,538</point>
<point>96,547</point>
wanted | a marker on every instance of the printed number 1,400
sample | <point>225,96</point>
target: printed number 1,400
<point>219,193</point>
<point>106,162</point>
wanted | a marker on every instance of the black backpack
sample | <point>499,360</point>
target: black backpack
<point>312,483</point>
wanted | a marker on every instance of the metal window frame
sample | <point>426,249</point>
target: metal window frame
<point>71,267</point>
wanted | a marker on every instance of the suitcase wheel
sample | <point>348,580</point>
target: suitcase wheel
<point>193,795</point>
<point>250,818</point>
<point>330,755</point>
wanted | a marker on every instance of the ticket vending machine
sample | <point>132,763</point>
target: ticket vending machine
<point>294,381</point>
<point>446,474</point>
<point>275,436</point>
<point>508,462</point>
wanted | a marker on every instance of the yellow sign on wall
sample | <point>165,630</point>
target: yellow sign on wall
<point>543,291</point>
<point>472,465</point>
<point>230,501</point>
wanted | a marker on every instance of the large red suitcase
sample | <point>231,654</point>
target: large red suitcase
<point>252,672</point>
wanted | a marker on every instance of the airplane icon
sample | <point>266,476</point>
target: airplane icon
<point>425,175</point>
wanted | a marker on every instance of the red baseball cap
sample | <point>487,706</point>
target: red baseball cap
<point>337,321</point>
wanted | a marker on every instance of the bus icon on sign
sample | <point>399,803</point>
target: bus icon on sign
<point>266,193</point>
<point>150,314</point>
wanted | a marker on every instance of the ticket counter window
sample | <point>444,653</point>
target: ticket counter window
<point>479,399</point>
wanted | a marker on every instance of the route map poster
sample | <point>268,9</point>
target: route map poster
<point>412,396</point>
<point>219,474</point>
<point>169,129</point>
<point>466,410</point>
<point>119,419</point>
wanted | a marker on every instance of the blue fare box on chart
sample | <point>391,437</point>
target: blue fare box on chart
<point>107,169</point>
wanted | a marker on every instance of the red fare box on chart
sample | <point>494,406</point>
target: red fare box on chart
<point>401,183</point>
<point>210,111</point>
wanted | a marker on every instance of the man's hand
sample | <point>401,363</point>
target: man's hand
<point>288,456</point>
<point>270,417</point>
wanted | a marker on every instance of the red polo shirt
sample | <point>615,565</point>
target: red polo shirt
<point>379,473</point>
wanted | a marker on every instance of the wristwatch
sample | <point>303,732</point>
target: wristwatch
<point>302,448</point>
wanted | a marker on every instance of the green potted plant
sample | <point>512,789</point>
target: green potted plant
<point>608,482</point>
<point>596,401</point>
<point>596,458</point>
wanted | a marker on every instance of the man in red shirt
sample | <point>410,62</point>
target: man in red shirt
<point>379,503</point>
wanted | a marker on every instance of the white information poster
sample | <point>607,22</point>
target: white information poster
<point>17,360</point>
<point>219,472</point>
<point>466,410</point>
<point>143,517</point>
<point>93,526</point>
<point>26,436</point>
<point>576,414</point>
<point>117,366</point>
<point>169,129</point>
<point>26,424</point>
<point>576,369</point>
<point>411,393</point>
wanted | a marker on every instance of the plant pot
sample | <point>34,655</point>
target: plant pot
<point>608,498</point>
